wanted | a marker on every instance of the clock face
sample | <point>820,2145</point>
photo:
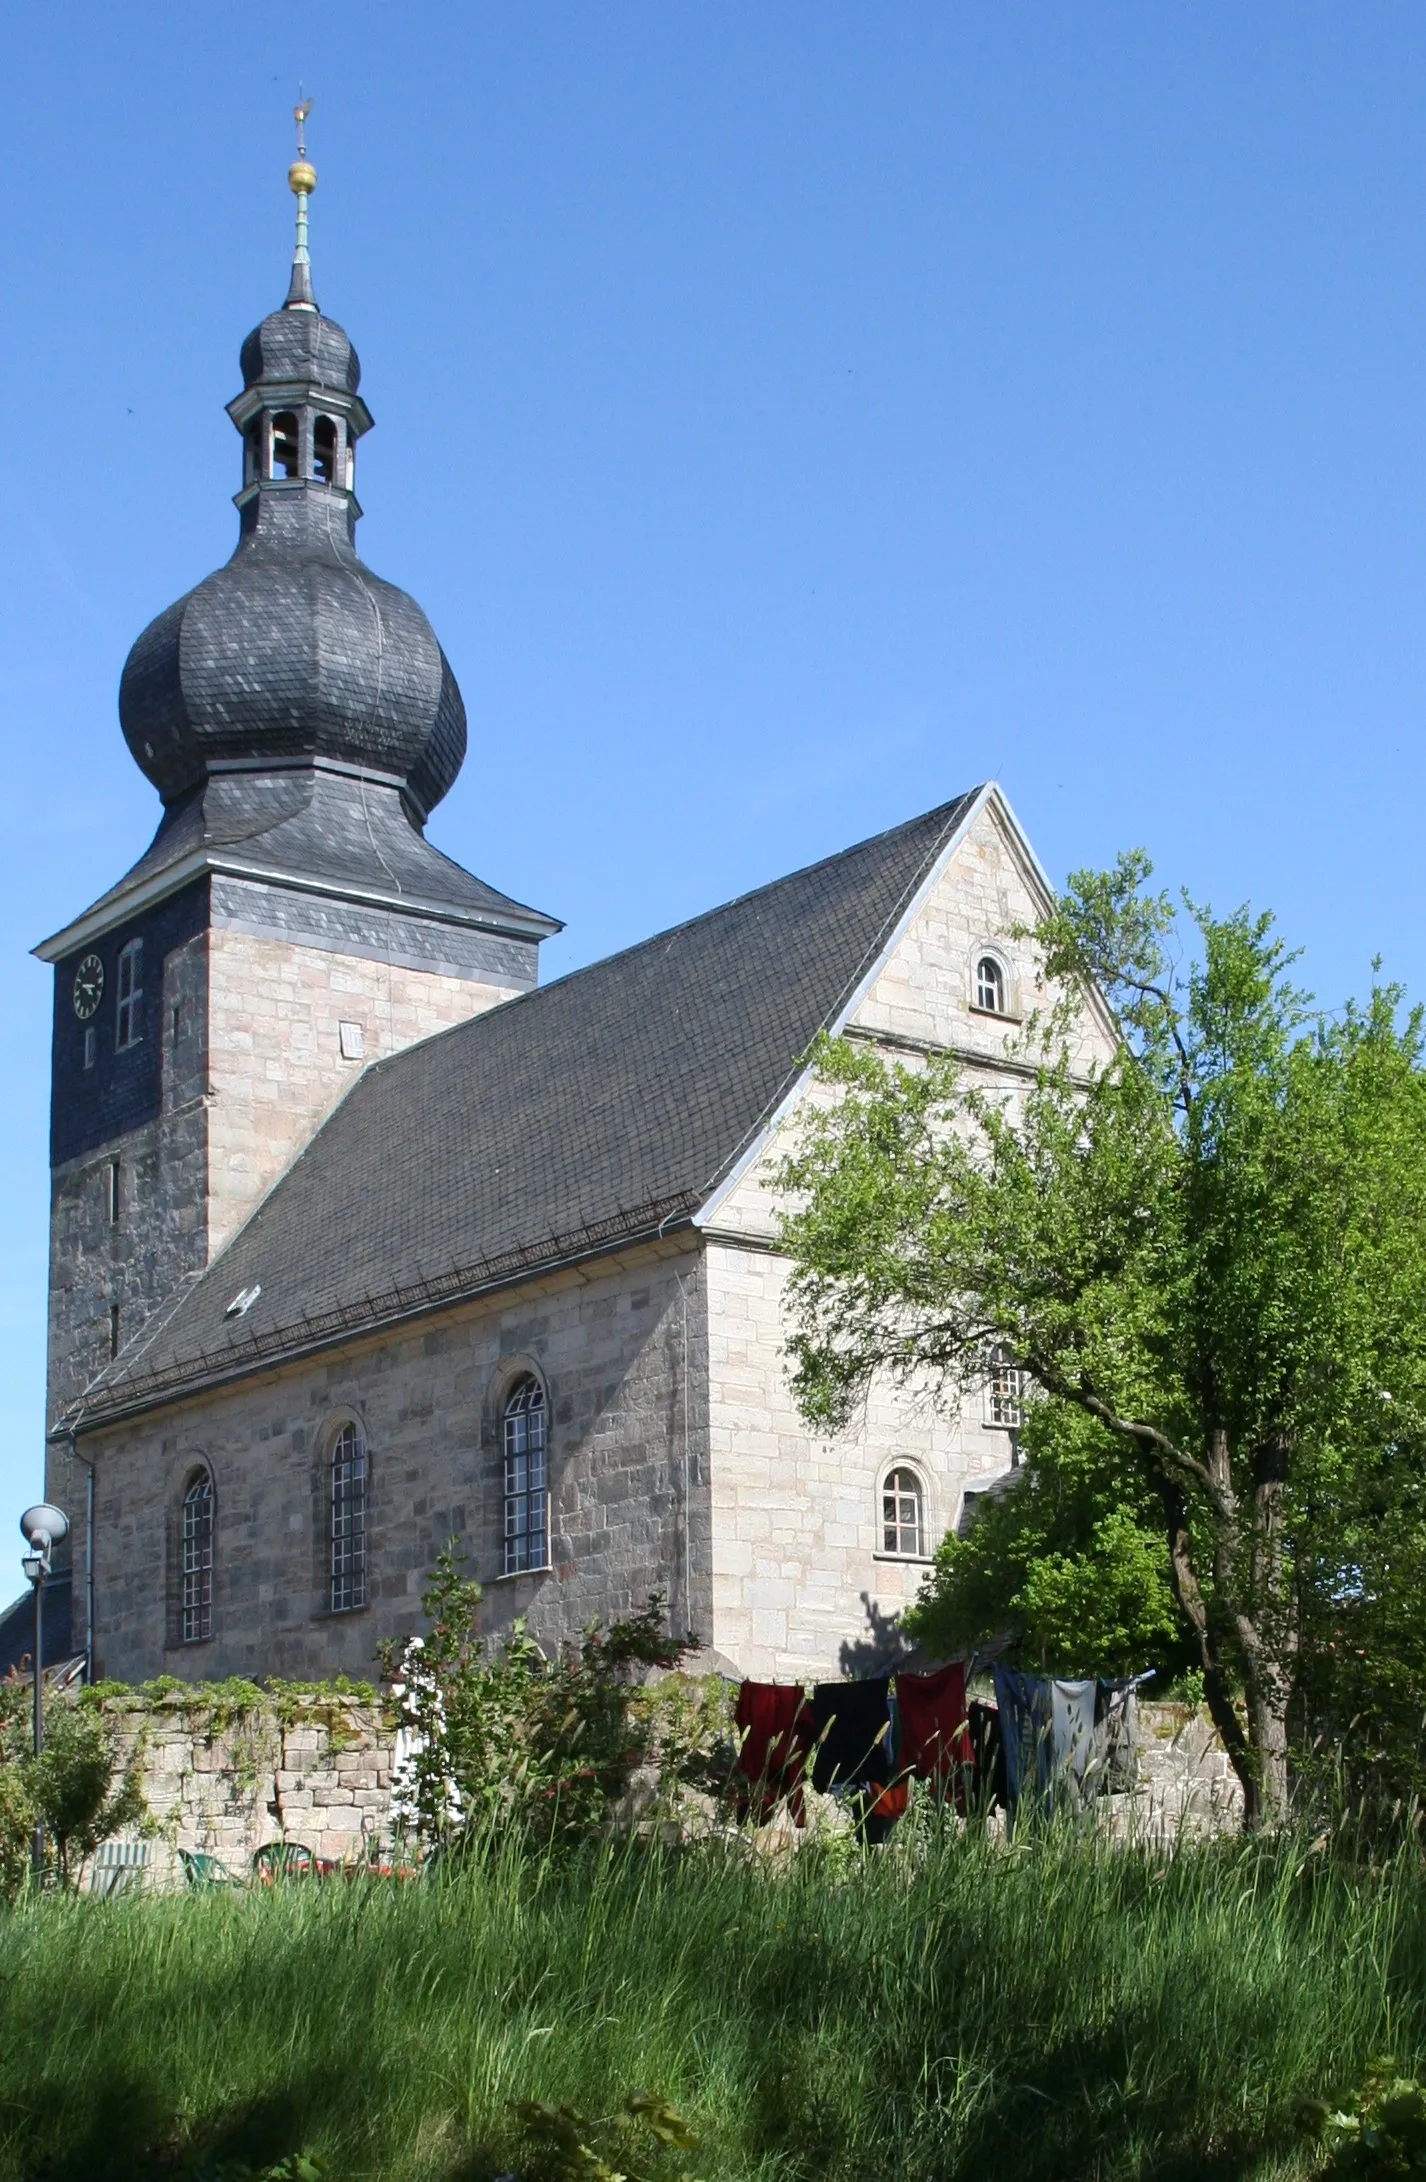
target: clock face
<point>88,987</point>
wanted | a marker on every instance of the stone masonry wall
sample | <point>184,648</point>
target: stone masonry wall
<point>252,1063</point>
<point>260,1781</point>
<point>275,1062</point>
<point>621,1350</point>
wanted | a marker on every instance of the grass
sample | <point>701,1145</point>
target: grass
<point>1060,2010</point>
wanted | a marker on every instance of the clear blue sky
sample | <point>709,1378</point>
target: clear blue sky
<point>788,415</point>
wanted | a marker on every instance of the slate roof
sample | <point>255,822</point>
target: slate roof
<point>294,647</point>
<point>590,1112</point>
<point>314,826</point>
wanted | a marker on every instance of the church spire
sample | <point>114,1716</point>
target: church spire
<point>301,180</point>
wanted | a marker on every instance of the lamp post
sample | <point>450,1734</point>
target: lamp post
<point>44,1527</point>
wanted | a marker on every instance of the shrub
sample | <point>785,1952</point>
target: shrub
<point>510,1737</point>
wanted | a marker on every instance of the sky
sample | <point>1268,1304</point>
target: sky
<point>788,415</point>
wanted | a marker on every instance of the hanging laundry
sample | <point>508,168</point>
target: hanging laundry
<point>773,1722</point>
<point>1027,1727</point>
<point>1047,1724</point>
<point>1115,1764</point>
<point>990,1789</point>
<point>932,1713</point>
<point>1072,1740</point>
<point>851,1734</point>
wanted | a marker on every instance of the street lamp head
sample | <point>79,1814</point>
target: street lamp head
<point>34,1565</point>
<point>44,1526</point>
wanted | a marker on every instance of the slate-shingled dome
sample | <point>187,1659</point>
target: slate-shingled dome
<point>294,649</point>
<point>291,344</point>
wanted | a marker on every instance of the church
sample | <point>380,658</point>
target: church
<point>363,1240</point>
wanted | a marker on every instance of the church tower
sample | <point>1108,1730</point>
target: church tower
<point>289,923</point>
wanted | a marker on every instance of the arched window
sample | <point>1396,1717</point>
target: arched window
<point>527,1500</point>
<point>284,444</point>
<point>130,990</point>
<point>347,1519</point>
<point>324,450</point>
<point>1004,1390</point>
<point>252,451</point>
<point>196,1569</point>
<point>990,986</point>
<point>903,1518</point>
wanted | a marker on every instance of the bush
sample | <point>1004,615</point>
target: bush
<point>510,1739</point>
<point>80,1789</point>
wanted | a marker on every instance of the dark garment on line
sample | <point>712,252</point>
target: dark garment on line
<point>990,1790</point>
<point>932,1710</point>
<point>851,1734</point>
<point>772,1720</point>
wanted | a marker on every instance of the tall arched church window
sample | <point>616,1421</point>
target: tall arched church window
<point>347,1519</point>
<point>990,986</point>
<point>527,1500</point>
<point>903,1515</point>
<point>285,444</point>
<point>196,1572</point>
<point>130,992</point>
<point>252,451</point>
<point>324,450</point>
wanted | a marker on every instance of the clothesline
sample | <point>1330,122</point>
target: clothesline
<point>873,1737</point>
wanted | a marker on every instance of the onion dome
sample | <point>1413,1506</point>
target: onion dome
<point>295,650</point>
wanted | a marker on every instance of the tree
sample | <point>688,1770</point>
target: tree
<point>1213,1247</point>
<point>1067,1569</point>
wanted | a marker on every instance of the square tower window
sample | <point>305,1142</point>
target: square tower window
<point>130,995</point>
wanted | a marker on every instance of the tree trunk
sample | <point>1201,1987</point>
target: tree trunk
<point>1217,1684</point>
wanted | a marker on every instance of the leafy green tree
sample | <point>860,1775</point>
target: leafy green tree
<point>1214,1247</point>
<point>1069,1566</point>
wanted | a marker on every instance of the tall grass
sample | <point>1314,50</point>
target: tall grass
<point>1055,2010</point>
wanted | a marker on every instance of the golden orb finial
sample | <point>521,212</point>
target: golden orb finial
<point>301,180</point>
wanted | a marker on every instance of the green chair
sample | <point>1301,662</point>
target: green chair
<point>201,1870</point>
<point>277,1860</point>
<point>118,1868</point>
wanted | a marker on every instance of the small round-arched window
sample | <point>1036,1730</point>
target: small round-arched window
<point>196,1572</point>
<point>903,1515</point>
<point>990,986</point>
<point>527,1499</point>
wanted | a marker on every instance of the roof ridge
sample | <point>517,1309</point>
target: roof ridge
<point>946,811</point>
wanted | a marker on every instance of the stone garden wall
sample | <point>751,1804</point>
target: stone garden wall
<point>322,1777</point>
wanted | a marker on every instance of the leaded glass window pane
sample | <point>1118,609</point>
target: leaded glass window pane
<point>527,1500</point>
<point>1005,1391</point>
<point>902,1524</point>
<point>348,1536</point>
<point>197,1576</point>
<point>990,985</point>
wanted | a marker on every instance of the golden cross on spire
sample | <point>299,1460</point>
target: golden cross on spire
<point>299,114</point>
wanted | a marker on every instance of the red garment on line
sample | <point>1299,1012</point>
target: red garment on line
<point>773,1722</point>
<point>933,1712</point>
